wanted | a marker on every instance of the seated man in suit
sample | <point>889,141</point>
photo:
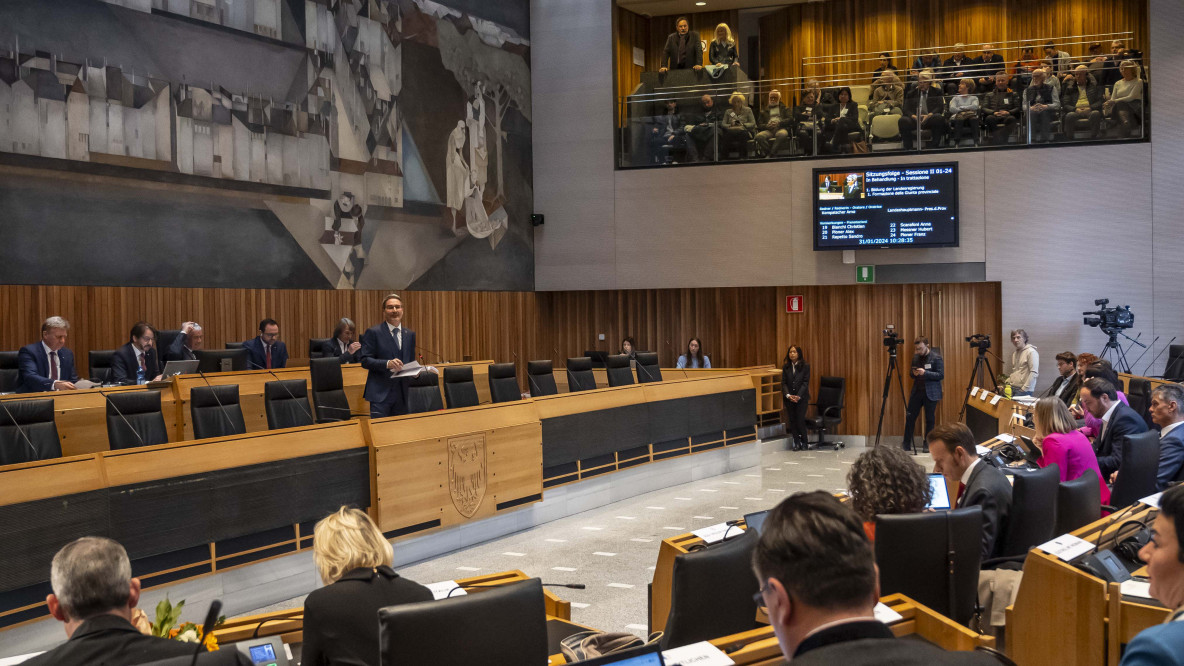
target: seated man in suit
<point>1163,644</point>
<point>1118,421</point>
<point>136,361</point>
<point>47,365</point>
<point>385,348</point>
<point>192,339</point>
<point>93,595</point>
<point>928,371</point>
<point>775,124</point>
<point>344,343</point>
<point>1167,412</point>
<point>979,484</point>
<point>1067,384</point>
<point>266,350</point>
<point>702,130</point>
<point>818,580</point>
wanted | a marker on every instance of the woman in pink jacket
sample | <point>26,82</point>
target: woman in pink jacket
<point>1063,445</point>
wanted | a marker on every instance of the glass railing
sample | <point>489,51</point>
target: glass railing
<point>702,126</point>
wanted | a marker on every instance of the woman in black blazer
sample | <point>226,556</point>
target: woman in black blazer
<point>795,392</point>
<point>341,619</point>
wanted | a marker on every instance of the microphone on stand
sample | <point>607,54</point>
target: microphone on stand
<point>207,627</point>
<point>439,358</point>
<point>1146,349</point>
<point>36,454</point>
<point>214,392</point>
<point>572,377</point>
<point>125,421</point>
<point>299,403</point>
<point>1165,348</point>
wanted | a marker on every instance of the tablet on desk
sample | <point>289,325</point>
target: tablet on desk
<point>755,520</point>
<point>941,494</point>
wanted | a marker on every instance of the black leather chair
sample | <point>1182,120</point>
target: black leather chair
<point>1174,368</point>
<point>423,393</point>
<point>215,411</point>
<point>503,382</point>
<point>459,388</point>
<point>10,373</point>
<point>579,374</point>
<point>141,411</point>
<point>828,410</point>
<point>100,365</point>
<point>234,345</point>
<point>315,345</point>
<point>620,373</point>
<point>711,592</point>
<point>328,390</point>
<point>1138,394</point>
<point>1032,518</point>
<point>540,377</point>
<point>1137,470</point>
<point>36,438</point>
<point>598,358</point>
<point>933,558</point>
<point>647,368</point>
<point>285,402</point>
<point>503,626</point>
<point>164,340</point>
<point>1079,502</point>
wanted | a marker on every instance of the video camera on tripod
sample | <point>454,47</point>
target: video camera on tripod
<point>1109,319</point>
<point>892,339</point>
<point>980,341</point>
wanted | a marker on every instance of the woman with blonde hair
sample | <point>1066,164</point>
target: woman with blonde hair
<point>739,125</point>
<point>1061,444</point>
<point>354,561</point>
<point>723,48</point>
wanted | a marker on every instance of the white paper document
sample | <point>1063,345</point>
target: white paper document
<point>887,615</point>
<point>714,533</point>
<point>696,654</point>
<point>1136,588</point>
<point>444,588</point>
<point>1152,500</point>
<point>981,450</point>
<point>409,370</point>
<point>1066,547</point>
<point>1005,437</point>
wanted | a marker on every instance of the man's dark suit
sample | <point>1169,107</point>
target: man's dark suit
<point>340,625</point>
<point>387,397</point>
<point>1108,447</point>
<point>989,489</point>
<point>1171,457</point>
<point>1070,393</point>
<point>124,365</point>
<point>694,50</point>
<point>332,347</point>
<point>926,393</point>
<point>868,642</point>
<point>257,354</point>
<point>109,640</point>
<point>178,351</point>
<point>34,368</point>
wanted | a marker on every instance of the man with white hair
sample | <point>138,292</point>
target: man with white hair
<point>47,365</point>
<point>1083,98</point>
<point>1042,104</point>
<point>192,339</point>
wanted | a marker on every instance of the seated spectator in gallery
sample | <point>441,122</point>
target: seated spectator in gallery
<point>807,117</point>
<point>927,60</point>
<point>683,49</point>
<point>842,120</point>
<point>1082,98</point>
<point>775,123</point>
<point>694,356</point>
<point>956,68</point>
<point>885,480</point>
<point>1001,109</point>
<point>1027,63</point>
<point>723,48</point>
<point>987,65</point>
<point>1062,62</point>
<point>354,562</point>
<point>964,109</point>
<point>1163,644</point>
<point>886,65</point>
<point>924,108</point>
<point>1040,99</point>
<point>703,130</point>
<point>1110,72</point>
<point>668,136</point>
<point>1167,413</point>
<point>820,96</point>
<point>1126,99</point>
<point>882,104</point>
<point>1061,444</point>
<point>890,82</point>
<point>1067,383</point>
<point>739,126</point>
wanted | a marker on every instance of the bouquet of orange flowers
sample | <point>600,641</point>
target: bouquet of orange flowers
<point>165,626</point>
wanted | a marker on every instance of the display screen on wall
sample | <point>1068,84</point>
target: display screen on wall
<point>910,205</point>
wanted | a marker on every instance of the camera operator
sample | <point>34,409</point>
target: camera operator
<point>928,370</point>
<point>1025,364</point>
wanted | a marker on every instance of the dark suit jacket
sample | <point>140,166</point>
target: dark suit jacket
<point>341,620</point>
<point>34,368</point>
<point>796,381</point>
<point>257,356</point>
<point>1070,392</point>
<point>930,382</point>
<point>1070,91</point>
<point>108,640</point>
<point>1124,421</point>
<point>333,348</point>
<point>1171,457</point>
<point>935,103</point>
<point>786,118</point>
<point>378,347</point>
<point>870,642</point>
<point>670,51</point>
<point>989,489</point>
<point>178,351</point>
<point>124,365</point>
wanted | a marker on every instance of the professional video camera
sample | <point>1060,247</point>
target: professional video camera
<point>980,341</point>
<point>1110,320</point>
<point>891,338</point>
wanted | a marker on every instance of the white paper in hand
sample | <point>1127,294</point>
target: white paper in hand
<point>696,654</point>
<point>409,370</point>
<point>442,589</point>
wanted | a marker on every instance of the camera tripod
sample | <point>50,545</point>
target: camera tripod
<point>1117,356</point>
<point>893,369</point>
<point>981,364</point>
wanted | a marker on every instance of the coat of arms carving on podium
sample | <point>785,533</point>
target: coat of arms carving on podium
<point>467,473</point>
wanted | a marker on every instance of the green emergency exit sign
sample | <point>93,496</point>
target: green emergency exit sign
<point>865,273</point>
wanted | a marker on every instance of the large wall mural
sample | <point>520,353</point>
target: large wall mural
<point>266,143</point>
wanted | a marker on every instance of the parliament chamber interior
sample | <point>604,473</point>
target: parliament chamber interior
<point>607,331</point>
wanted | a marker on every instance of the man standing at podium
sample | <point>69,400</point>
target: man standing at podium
<point>927,370</point>
<point>47,365</point>
<point>385,348</point>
